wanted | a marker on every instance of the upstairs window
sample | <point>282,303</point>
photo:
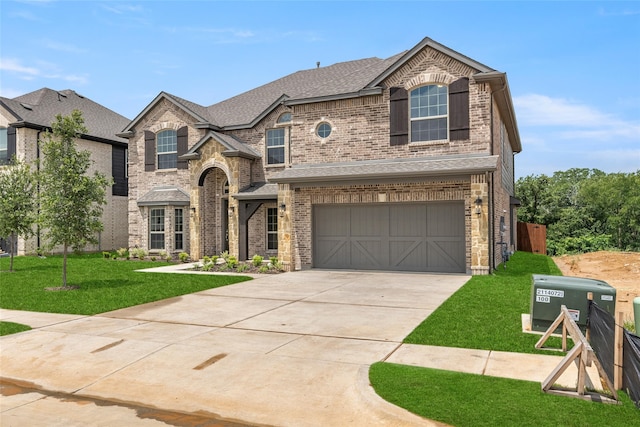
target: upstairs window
<point>429,113</point>
<point>167,149</point>
<point>275,146</point>
<point>284,118</point>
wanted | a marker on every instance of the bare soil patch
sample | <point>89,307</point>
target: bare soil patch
<point>619,269</point>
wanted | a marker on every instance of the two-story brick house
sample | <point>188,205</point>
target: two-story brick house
<point>22,122</point>
<point>403,163</point>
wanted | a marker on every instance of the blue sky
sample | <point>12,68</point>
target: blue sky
<point>573,67</point>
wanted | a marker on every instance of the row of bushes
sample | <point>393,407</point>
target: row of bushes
<point>141,254</point>
<point>226,262</point>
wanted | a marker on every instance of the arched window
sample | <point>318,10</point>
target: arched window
<point>167,149</point>
<point>284,118</point>
<point>429,113</point>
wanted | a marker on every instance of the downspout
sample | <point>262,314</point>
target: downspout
<point>38,189</point>
<point>492,234</point>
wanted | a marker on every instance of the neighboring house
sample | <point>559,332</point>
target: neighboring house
<point>23,121</point>
<point>403,163</point>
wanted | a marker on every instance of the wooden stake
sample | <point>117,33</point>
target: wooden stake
<point>617,352</point>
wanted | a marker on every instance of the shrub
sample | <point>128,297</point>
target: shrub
<point>139,253</point>
<point>183,257</point>
<point>207,267</point>
<point>206,260</point>
<point>232,262</point>
<point>122,252</point>
<point>106,255</point>
<point>264,269</point>
<point>225,256</point>
<point>257,260</point>
<point>242,267</point>
<point>214,259</point>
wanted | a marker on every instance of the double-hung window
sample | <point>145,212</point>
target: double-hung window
<point>178,229</point>
<point>429,113</point>
<point>167,149</point>
<point>275,146</point>
<point>272,229</point>
<point>156,228</point>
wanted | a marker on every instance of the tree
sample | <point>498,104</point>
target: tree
<point>17,203</point>
<point>71,200</point>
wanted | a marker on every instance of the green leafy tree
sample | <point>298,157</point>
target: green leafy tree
<point>17,203</point>
<point>71,200</point>
<point>584,209</point>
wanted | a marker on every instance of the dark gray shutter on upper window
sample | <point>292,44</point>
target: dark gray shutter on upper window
<point>119,171</point>
<point>149,151</point>
<point>459,110</point>
<point>11,142</point>
<point>182,146</point>
<point>398,116</point>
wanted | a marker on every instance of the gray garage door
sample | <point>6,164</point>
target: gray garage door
<point>403,237</point>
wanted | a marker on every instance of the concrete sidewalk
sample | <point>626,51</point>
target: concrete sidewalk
<point>290,350</point>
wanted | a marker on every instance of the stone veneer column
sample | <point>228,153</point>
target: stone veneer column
<point>285,227</point>
<point>479,226</point>
<point>194,221</point>
<point>234,208</point>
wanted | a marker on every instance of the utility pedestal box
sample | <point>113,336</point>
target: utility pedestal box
<point>549,293</point>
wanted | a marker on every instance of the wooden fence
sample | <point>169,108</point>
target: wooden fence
<point>532,238</point>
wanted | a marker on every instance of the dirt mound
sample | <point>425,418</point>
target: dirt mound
<point>619,269</point>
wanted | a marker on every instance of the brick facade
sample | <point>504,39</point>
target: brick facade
<point>360,132</point>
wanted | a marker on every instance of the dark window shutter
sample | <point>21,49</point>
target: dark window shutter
<point>149,151</point>
<point>459,110</point>
<point>11,142</point>
<point>118,170</point>
<point>183,145</point>
<point>398,116</point>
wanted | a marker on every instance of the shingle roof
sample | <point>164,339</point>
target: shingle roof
<point>164,195</point>
<point>41,107</point>
<point>233,146</point>
<point>396,168</point>
<point>260,190</point>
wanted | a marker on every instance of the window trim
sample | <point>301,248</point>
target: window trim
<point>427,117</point>
<point>167,153</point>
<point>271,213</point>
<point>322,124</point>
<point>283,146</point>
<point>153,232</point>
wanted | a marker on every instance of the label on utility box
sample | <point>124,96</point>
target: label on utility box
<point>542,298</point>
<point>606,297</point>
<point>575,314</point>
<point>550,293</point>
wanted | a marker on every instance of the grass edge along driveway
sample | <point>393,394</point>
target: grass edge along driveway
<point>103,284</point>
<point>485,314</point>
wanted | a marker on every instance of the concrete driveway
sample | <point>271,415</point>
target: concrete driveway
<point>289,350</point>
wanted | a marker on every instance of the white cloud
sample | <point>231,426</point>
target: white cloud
<point>62,47</point>
<point>14,66</point>
<point>45,70</point>
<point>121,9</point>
<point>570,120</point>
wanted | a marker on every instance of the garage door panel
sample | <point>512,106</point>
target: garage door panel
<point>404,237</point>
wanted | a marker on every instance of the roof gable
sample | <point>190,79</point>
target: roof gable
<point>41,107</point>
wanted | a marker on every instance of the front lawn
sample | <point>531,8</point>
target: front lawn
<point>475,400</point>
<point>103,284</point>
<point>8,328</point>
<point>486,312</point>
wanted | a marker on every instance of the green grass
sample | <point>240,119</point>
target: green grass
<point>8,328</point>
<point>486,312</point>
<point>473,400</point>
<point>104,284</point>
